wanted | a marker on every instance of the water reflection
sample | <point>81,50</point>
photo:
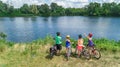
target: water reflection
<point>33,19</point>
<point>12,19</point>
<point>26,19</point>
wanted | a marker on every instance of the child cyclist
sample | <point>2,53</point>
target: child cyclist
<point>58,40</point>
<point>90,42</point>
<point>80,44</point>
<point>68,44</point>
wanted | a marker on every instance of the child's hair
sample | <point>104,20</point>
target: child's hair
<point>58,33</point>
<point>90,35</point>
<point>79,36</point>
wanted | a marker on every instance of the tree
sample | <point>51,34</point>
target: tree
<point>53,7</point>
<point>106,7</point>
<point>68,11</point>
<point>25,9</point>
<point>93,9</point>
<point>3,8</point>
<point>57,10</point>
<point>115,9</point>
<point>34,9</point>
<point>44,10</point>
<point>10,9</point>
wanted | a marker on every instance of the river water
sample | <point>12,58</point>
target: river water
<point>26,29</point>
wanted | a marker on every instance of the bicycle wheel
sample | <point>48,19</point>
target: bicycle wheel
<point>51,55</point>
<point>96,53</point>
<point>87,54</point>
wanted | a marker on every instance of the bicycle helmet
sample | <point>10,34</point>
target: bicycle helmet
<point>90,34</point>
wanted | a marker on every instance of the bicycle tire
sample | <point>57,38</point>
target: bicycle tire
<point>51,56</point>
<point>96,53</point>
<point>86,54</point>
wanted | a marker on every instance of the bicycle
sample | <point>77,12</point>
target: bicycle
<point>95,53</point>
<point>53,51</point>
<point>85,53</point>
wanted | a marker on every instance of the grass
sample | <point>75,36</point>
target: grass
<point>36,54</point>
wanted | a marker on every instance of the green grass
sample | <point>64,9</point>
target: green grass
<point>35,54</point>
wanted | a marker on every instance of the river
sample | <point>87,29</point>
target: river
<point>26,29</point>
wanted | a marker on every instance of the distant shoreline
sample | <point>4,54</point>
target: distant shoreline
<point>45,10</point>
<point>27,15</point>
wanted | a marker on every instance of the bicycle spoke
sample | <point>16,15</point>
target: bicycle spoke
<point>96,54</point>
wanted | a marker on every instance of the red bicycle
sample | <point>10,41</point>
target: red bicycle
<point>95,53</point>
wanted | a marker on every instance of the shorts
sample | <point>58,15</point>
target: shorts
<point>68,46</point>
<point>79,48</point>
<point>90,45</point>
<point>59,47</point>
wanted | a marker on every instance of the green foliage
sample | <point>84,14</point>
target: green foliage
<point>47,40</point>
<point>107,45</point>
<point>2,35</point>
<point>57,10</point>
<point>92,9</point>
<point>44,10</point>
<point>25,9</point>
<point>3,40</point>
<point>102,44</point>
<point>34,9</point>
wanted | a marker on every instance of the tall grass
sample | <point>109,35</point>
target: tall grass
<point>34,54</point>
<point>102,43</point>
<point>107,45</point>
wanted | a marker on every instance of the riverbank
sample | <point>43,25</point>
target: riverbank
<point>101,43</point>
<point>35,54</point>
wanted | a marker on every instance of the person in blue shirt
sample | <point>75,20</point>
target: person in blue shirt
<point>68,43</point>
<point>90,42</point>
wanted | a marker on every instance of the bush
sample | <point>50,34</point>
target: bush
<point>2,35</point>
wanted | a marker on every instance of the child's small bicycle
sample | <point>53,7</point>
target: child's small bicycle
<point>85,53</point>
<point>53,51</point>
<point>95,53</point>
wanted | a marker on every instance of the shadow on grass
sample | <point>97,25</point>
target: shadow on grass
<point>72,55</point>
<point>48,57</point>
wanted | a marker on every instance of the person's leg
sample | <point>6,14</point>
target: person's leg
<point>78,54</point>
<point>90,50</point>
<point>80,50</point>
<point>66,50</point>
<point>76,50</point>
<point>59,49</point>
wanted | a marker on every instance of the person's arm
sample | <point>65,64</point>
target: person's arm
<point>77,42</point>
<point>69,41</point>
<point>82,42</point>
<point>86,35</point>
<point>61,39</point>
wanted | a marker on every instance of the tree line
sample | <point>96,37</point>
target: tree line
<point>92,9</point>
